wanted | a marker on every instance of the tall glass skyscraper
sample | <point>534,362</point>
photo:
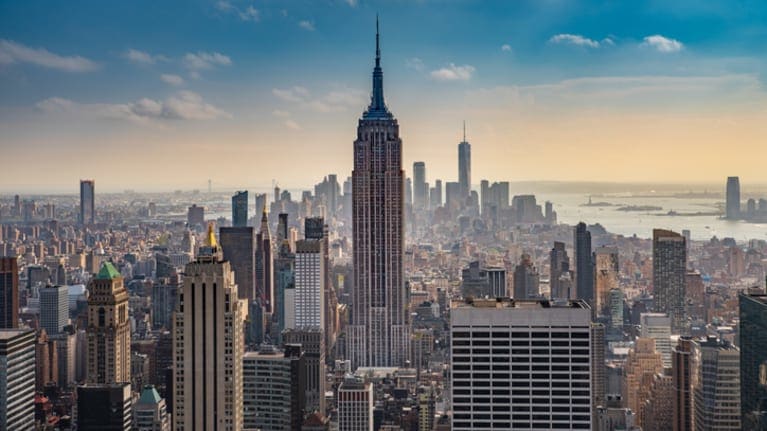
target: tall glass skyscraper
<point>584,264</point>
<point>733,198</point>
<point>464,165</point>
<point>379,332</point>
<point>87,202</point>
<point>240,209</point>
<point>669,270</point>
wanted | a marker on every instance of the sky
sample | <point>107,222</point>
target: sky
<point>161,95</point>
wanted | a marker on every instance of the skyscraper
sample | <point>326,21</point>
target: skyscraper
<point>264,265</point>
<point>108,328</point>
<point>208,345</point>
<point>559,264</point>
<point>753,360</point>
<point>87,202</point>
<point>606,275</point>
<point>239,247</point>
<point>54,308</point>
<point>240,209</point>
<point>378,331</point>
<point>9,293</point>
<point>435,195</point>
<point>541,365</point>
<point>464,165</point>
<point>17,379</point>
<point>420,188</point>
<point>669,269</point>
<point>355,405</point>
<point>584,264</point>
<point>526,279</point>
<point>104,407</point>
<point>274,388</point>
<point>732,206</point>
<point>682,374</point>
<point>310,285</point>
<point>717,386</point>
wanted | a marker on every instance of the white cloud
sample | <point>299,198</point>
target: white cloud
<point>574,39</point>
<point>172,79</point>
<point>250,13</point>
<point>453,73</point>
<point>205,60</point>
<point>506,47</point>
<point>336,100</point>
<point>12,52</point>
<point>184,105</point>
<point>663,44</point>
<point>306,25</point>
<point>290,124</point>
<point>415,63</point>
<point>352,3</point>
<point>142,57</point>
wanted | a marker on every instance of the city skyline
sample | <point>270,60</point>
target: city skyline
<point>540,86</point>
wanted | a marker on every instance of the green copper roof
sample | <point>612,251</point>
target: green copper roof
<point>149,396</point>
<point>108,271</point>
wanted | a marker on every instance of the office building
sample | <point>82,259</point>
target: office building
<point>108,328</point>
<point>378,333</point>
<point>54,308</point>
<point>312,342</point>
<point>17,379</point>
<point>753,360</point>
<point>559,264</point>
<point>239,247</point>
<point>310,284</point>
<point>87,202</point>
<point>658,327</point>
<point>540,359</point>
<point>208,335</point>
<point>526,279</point>
<point>420,187</point>
<point>584,266</point>
<point>264,266</point>
<point>149,412</point>
<point>616,309</point>
<point>606,277</point>
<point>273,388</point>
<point>682,374</point>
<point>195,216</point>
<point>464,165</point>
<point>104,407</point>
<point>435,195</point>
<point>480,282</point>
<point>717,386</point>
<point>732,204</point>
<point>355,405</point>
<point>46,361</point>
<point>669,257</point>
<point>164,296</point>
<point>9,293</point>
<point>240,209</point>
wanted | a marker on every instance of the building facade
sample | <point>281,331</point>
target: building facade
<point>240,209</point>
<point>17,379</point>
<point>717,386</point>
<point>87,202</point>
<point>355,405</point>
<point>54,308</point>
<point>273,388</point>
<point>9,293</point>
<point>108,328</point>
<point>584,264</point>
<point>669,269</point>
<point>239,247</point>
<point>753,360</point>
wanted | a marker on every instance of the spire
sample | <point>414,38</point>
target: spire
<point>464,130</point>
<point>210,239</point>
<point>377,109</point>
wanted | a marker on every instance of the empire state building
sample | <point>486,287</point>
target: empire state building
<point>379,330</point>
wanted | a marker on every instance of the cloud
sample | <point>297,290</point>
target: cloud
<point>574,39</point>
<point>306,25</point>
<point>506,47</point>
<point>250,13</point>
<point>184,105</point>
<point>290,124</point>
<point>415,63</point>
<point>12,52</point>
<point>172,79</point>
<point>352,3</point>
<point>205,60</point>
<point>281,114</point>
<point>142,57</point>
<point>663,44</point>
<point>453,73</point>
<point>336,100</point>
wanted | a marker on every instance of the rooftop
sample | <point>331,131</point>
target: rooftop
<point>108,271</point>
<point>516,303</point>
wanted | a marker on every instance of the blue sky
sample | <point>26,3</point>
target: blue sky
<point>556,90</point>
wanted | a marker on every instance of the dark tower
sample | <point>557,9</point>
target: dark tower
<point>584,265</point>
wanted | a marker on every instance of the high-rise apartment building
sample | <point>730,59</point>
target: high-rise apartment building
<point>239,247</point>
<point>240,209</point>
<point>464,165</point>
<point>378,331</point>
<point>717,386</point>
<point>273,388</point>
<point>521,365</point>
<point>87,202</point>
<point>54,308</point>
<point>310,284</point>
<point>732,205</point>
<point>669,268</point>
<point>9,293</point>
<point>108,328</point>
<point>584,264</point>
<point>208,336</point>
<point>355,405</point>
<point>17,379</point>
<point>753,360</point>
<point>606,277</point>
